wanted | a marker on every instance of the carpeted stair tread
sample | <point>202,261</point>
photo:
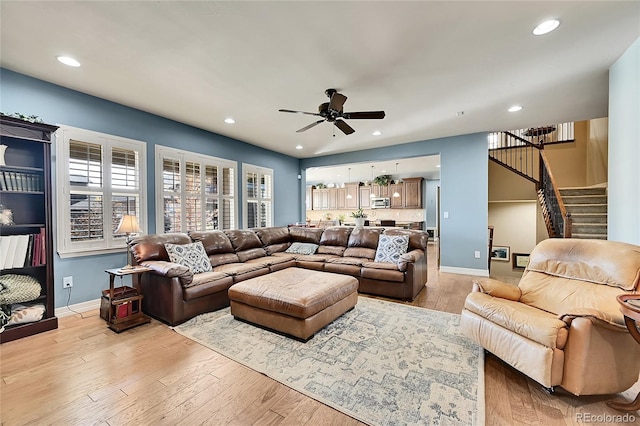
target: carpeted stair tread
<point>583,191</point>
<point>585,199</point>
<point>589,236</point>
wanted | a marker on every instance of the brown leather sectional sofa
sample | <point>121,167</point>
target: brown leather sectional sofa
<point>173,294</point>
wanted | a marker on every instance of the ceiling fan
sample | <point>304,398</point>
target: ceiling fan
<point>332,112</point>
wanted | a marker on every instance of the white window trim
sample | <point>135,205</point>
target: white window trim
<point>65,248</point>
<point>250,168</point>
<point>162,152</point>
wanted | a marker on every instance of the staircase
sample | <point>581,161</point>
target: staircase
<point>567,212</point>
<point>587,208</point>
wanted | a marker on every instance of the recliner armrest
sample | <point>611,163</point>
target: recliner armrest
<point>497,288</point>
<point>598,317</point>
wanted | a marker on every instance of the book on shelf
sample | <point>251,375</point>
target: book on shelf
<point>14,181</point>
<point>3,184</point>
<point>28,261</point>
<point>22,242</point>
<point>8,260</point>
<point>4,249</point>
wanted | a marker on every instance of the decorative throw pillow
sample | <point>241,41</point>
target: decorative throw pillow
<point>24,314</point>
<point>302,248</point>
<point>391,247</point>
<point>193,256</point>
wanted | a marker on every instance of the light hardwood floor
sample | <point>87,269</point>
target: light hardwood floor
<point>83,373</point>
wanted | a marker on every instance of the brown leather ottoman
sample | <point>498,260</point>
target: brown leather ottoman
<point>294,301</point>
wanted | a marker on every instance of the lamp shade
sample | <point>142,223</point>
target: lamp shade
<point>128,225</point>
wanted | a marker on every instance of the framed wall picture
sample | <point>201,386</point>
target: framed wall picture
<point>520,260</point>
<point>500,253</point>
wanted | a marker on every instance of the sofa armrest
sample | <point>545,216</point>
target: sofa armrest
<point>598,317</point>
<point>170,270</point>
<point>497,288</point>
<point>409,257</point>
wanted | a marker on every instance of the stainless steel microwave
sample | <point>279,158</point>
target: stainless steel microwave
<point>380,203</point>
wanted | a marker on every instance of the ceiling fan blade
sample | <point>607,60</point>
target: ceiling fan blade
<point>336,102</point>
<point>342,125</point>
<point>363,115</point>
<point>298,112</point>
<point>309,126</point>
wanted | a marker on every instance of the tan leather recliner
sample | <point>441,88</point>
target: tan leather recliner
<point>561,325</point>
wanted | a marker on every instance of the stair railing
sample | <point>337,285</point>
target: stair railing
<point>560,219</point>
<point>516,154</point>
<point>522,152</point>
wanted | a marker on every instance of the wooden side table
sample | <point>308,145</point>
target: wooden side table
<point>126,312</point>
<point>630,308</point>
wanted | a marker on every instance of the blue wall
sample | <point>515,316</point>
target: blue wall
<point>58,105</point>
<point>463,193</point>
<point>624,147</point>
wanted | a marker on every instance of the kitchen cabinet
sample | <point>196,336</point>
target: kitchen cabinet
<point>365,197</point>
<point>332,198</point>
<point>342,198</point>
<point>353,189</point>
<point>396,202</point>
<point>320,199</point>
<point>413,193</point>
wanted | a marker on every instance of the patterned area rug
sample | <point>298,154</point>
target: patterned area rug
<point>382,363</point>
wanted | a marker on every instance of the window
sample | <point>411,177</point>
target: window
<point>195,192</point>
<point>258,190</point>
<point>99,178</point>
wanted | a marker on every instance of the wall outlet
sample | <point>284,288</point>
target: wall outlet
<point>67,282</point>
<point>477,254</point>
<point>446,215</point>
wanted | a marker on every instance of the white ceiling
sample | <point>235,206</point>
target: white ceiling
<point>421,62</point>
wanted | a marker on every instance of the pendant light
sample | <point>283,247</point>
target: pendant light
<point>372,195</point>
<point>396,194</point>
<point>349,196</point>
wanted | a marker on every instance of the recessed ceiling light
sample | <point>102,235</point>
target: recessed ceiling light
<point>515,108</point>
<point>229,120</point>
<point>377,133</point>
<point>67,60</point>
<point>460,113</point>
<point>298,146</point>
<point>546,27</point>
<point>438,165</point>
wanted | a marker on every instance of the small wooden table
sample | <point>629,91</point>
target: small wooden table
<point>129,307</point>
<point>630,308</point>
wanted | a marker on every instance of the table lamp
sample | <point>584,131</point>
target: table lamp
<point>128,225</point>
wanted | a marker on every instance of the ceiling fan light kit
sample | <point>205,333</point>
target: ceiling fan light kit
<point>333,112</point>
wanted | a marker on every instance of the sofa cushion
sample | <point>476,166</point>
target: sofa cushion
<point>223,259</point>
<point>253,253</point>
<point>272,235</point>
<point>391,247</point>
<point>306,235</point>
<point>302,248</point>
<point>276,248</point>
<point>335,236</point>
<point>207,283</point>
<point>190,255</point>
<point>238,268</point>
<point>214,242</point>
<point>364,238</point>
<point>335,250</point>
<point>363,252</point>
<point>151,247</point>
<point>243,239</point>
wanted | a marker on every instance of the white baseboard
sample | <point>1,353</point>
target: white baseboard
<point>78,307</point>
<point>465,271</point>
